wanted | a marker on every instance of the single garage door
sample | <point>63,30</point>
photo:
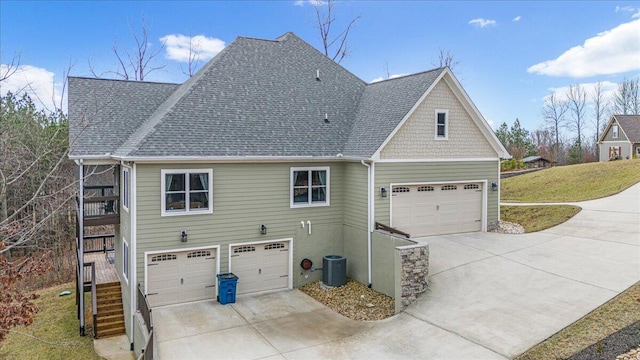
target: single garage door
<point>261,267</point>
<point>176,277</point>
<point>424,210</point>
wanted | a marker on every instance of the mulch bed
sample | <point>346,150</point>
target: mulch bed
<point>353,300</point>
<point>613,345</point>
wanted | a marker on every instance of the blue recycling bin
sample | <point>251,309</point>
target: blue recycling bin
<point>227,284</point>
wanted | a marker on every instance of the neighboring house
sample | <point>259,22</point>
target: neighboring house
<point>620,138</point>
<point>271,154</point>
<point>536,162</point>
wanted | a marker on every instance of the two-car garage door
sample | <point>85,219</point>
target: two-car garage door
<point>182,276</point>
<point>424,210</point>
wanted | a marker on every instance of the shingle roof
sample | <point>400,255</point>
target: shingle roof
<point>255,98</point>
<point>630,124</point>
<point>103,113</point>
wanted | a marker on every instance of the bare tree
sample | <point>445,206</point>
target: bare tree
<point>577,100</point>
<point>10,68</point>
<point>626,100</point>
<point>446,58</point>
<point>599,108</point>
<point>335,47</point>
<point>193,61</point>
<point>138,63</point>
<point>553,112</point>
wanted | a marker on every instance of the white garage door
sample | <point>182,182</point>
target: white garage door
<point>261,267</point>
<point>177,277</point>
<point>423,210</point>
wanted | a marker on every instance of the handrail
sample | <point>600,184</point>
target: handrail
<point>97,199</point>
<point>380,226</point>
<point>145,309</point>
<point>94,300</point>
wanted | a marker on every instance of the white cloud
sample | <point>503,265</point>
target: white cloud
<point>517,18</point>
<point>312,2</point>
<point>378,79</point>
<point>202,47</point>
<point>608,90</point>
<point>37,82</point>
<point>624,8</point>
<point>482,22</point>
<point>611,52</point>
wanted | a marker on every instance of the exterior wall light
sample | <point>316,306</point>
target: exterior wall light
<point>494,186</point>
<point>263,229</point>
<point>383,192</point>
<point>183,236</point>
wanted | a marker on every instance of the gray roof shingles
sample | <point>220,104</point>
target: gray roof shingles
<point>255,98</point>
<point>630,124</point>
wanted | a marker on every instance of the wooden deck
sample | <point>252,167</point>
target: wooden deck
<point>105,272</point>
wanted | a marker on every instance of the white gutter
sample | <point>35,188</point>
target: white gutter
<point>81,243</point>
<point>369,197</point>
<point>165,159</point>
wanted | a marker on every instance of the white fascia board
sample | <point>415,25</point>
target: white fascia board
<point>435,160</point>
<point>237,159</point>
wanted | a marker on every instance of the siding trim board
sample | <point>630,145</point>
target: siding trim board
<point>435,160</point>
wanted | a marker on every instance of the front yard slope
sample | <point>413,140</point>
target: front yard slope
<point>572,183</point>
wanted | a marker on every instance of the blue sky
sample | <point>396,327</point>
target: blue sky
<point>511,54</point>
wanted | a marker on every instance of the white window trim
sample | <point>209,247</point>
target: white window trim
<point>126,188</point>
<point>311,168</point>
<point>187,211</point>
<point>446,124</point>
<point>615,132</point>
<point>126,257</point>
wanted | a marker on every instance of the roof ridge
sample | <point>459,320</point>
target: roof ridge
<point>408,75</point>
<point>123,80</point>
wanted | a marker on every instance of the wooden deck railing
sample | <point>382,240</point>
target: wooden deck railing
<point>99,243</point>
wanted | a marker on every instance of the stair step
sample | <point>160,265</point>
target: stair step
<point>108,286</point>
<point>107,319</point>
<point>109,312</point>
<point>111,324</point>
<point>111,332</point>
<point>108,297</point>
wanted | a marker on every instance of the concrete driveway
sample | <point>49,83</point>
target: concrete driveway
<point>491,296</point>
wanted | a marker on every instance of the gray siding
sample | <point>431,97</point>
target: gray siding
<point>244,197</point>
<point>609,134</point>
<point>355,195</point>
<point>625,149</point>
<point>387,173</point>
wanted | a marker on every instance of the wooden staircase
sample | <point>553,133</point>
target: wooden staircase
<point>110,318</point>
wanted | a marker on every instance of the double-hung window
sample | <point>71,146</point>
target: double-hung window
<point>186,191</point>
<point>442,124</point>
<point>309,186</point>
<point>614,131</point>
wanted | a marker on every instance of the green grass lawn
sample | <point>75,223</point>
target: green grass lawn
<point>54,332</point>
<point>536,218</point>
<point>572,183</point>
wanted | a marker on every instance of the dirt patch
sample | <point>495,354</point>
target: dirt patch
<point>353,300</point>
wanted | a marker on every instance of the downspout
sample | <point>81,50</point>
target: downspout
<point>81,243</point>
<point>368,221</point>
<point>133,255</point>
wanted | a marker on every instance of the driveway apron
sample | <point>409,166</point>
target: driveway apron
<point>490,296</point>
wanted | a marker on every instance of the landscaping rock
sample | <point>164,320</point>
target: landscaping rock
<point>505,227</point>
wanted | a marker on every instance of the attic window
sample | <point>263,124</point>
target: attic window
<point>442,124</point>
<point>614,131</point>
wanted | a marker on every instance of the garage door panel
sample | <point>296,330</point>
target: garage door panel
<point>181,277</point>
<point>424,210</point>
<point>261,267</point>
